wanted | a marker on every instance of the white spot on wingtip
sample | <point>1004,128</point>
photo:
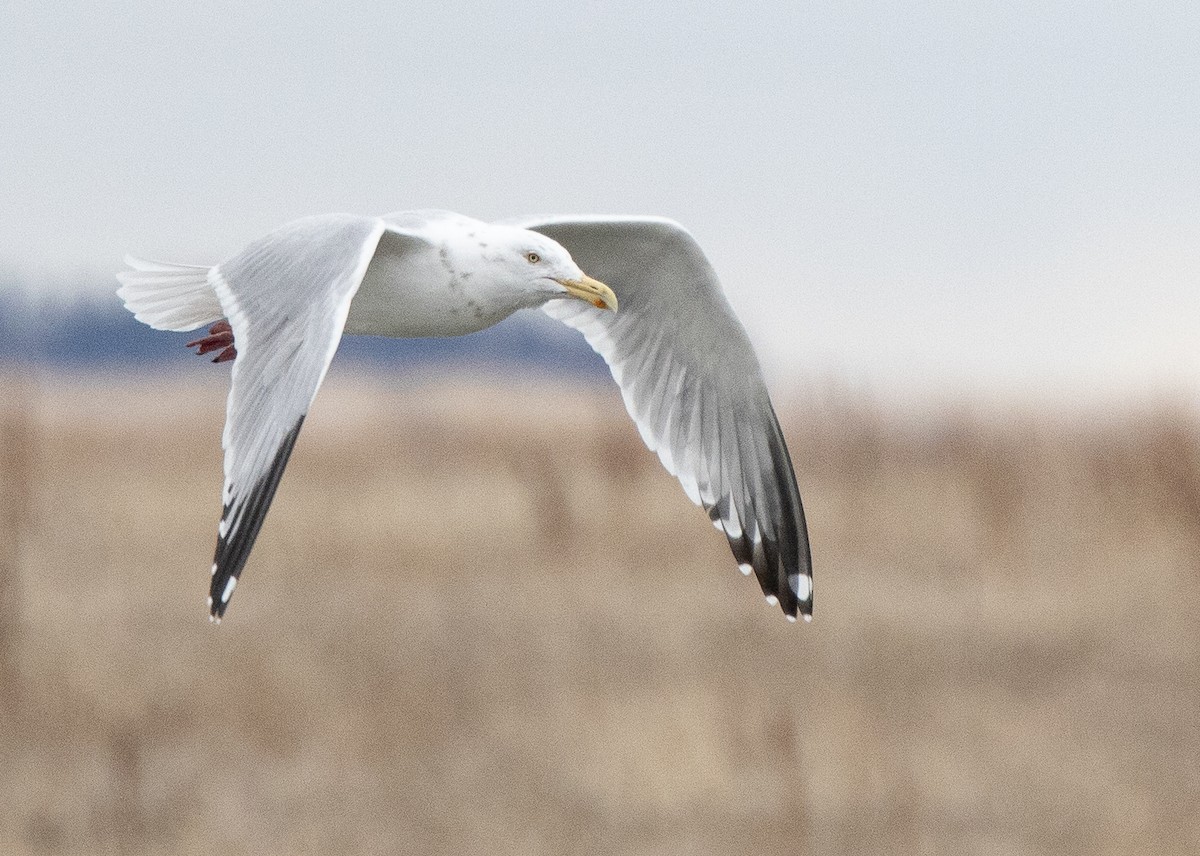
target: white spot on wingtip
<point>802,585</point>
<point>229,584</point>
<point>807,618</point>
<point>223,527</point>
<point>772,600</point>
<point>214,572</point>
<point>210,602</point>
<point>746,568</point>
<point>792,619</point>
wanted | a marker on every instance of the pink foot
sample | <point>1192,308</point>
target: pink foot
<point>220,336</point>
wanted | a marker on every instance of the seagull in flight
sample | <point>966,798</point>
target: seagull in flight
<point>655,312</point>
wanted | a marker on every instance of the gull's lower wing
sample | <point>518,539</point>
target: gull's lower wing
<point>692,384</point>
<point>286,296</point>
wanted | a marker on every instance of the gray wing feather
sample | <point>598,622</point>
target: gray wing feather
<point>286,296</point>
<point>693,386</point>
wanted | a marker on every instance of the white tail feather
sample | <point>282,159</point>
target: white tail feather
<point>167,296</point>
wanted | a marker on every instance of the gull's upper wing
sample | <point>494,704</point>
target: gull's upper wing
<point>692,384</point>
<point>286,296</point>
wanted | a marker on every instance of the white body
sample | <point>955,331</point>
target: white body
<point>442,286</point>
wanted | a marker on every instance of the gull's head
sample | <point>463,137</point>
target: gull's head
<point>544,269</point>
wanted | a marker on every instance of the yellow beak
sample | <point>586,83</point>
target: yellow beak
<point>592,290</point>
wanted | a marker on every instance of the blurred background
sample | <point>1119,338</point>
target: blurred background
<point>480,618</point>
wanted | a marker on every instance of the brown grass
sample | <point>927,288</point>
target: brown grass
<point>482,620</point>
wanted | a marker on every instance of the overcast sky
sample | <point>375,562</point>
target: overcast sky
<point>912,196</point>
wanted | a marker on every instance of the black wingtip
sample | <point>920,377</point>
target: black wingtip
<point>802,587</point>
<point>768,534</point>
<point>219,602</point>
<point>241,520</point>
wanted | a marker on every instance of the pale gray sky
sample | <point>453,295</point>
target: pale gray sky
<point>914,196</point>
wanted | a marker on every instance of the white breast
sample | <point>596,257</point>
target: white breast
<point>417,290</point>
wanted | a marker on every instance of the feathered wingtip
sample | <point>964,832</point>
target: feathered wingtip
<point>168,296</point>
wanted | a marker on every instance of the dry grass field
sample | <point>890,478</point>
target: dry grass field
<point>482,620</point>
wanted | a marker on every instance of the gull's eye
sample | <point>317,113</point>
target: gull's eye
<point>533,258</point>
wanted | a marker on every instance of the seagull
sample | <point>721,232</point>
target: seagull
<point>656,314</point>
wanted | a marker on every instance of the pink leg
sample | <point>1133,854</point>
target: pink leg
<point>220,336</point>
